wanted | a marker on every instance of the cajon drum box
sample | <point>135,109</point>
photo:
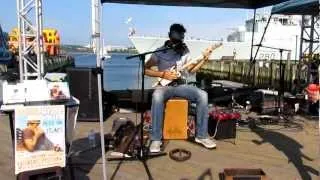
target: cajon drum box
<point>175,119</point>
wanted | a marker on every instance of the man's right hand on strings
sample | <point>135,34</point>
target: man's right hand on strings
<point>169,75</point>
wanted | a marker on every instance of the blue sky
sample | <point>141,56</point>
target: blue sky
<point>73,20</point>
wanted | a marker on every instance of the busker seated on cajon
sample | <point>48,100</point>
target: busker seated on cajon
<point>175,69</point>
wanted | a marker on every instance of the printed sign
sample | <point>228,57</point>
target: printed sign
<point>13,93</point>
<point>59,90</point>
<point>39,137</point>
<point>36,90</point>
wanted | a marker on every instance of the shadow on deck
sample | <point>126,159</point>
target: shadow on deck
<point>282,152</point>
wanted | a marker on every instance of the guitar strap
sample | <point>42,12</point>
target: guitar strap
<point>178,82</point>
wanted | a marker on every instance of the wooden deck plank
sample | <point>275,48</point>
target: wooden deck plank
<point>282,154</point>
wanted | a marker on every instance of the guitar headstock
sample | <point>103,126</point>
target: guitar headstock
<point>215,46</point>
<point>209,50</point>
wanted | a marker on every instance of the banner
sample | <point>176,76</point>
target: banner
<point>39,137</point>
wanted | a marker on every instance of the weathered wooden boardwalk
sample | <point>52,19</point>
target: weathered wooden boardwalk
<point>262,74</point>
<point>283,153</point>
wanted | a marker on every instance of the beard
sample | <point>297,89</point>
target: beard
<point>178,46</point>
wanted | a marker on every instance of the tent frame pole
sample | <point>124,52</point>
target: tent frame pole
<point>253,30</point>
<point>252,63</point>
<point>260,43</point>
<point>253,60</point>
<point>96,35</point>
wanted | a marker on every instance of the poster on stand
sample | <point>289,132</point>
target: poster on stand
<point>39,137</point>
<point>59,90</point>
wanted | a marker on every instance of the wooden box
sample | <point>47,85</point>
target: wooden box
<point>175,119</point>
<point>244,174</point>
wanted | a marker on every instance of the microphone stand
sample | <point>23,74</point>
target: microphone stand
<point>142,58</point>
<point>143,152</point>
<point>281,73</point>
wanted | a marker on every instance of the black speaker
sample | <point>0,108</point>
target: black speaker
<point>226,129</point>
<point>264,101</point>
<point>83,84</point>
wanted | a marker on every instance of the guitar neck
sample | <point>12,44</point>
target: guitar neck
<point>199,58</point>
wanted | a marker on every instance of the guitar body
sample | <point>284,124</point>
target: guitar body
<point>165,82</point>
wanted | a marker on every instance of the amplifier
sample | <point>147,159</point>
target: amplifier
<point>83,84</point>
<point>264,101</point>
<point>222,125</point>
<point>219,95</point>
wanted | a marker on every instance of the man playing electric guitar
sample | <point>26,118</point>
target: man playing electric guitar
<point>173,65</point>
<point>186,73</point>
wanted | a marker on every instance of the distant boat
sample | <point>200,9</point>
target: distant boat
<point>105,53</point>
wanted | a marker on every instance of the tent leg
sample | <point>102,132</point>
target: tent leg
<point>253,28</point>
<point>96,35</point>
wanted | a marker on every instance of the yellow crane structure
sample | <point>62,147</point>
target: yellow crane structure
<point>51,41</point>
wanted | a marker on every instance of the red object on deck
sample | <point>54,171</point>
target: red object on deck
<point>223,116</point>
<point>313,87</point>
<point>147,117</point>
<point>313,92</point>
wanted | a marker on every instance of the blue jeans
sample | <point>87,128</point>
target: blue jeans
<point>191,93</point>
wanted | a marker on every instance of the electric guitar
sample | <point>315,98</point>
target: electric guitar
<point>205,55</point>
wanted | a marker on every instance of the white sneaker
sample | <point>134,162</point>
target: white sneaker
<point>155,146</point>
<point>206,142</point>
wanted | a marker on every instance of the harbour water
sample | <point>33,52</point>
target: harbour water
<point>119,73</point>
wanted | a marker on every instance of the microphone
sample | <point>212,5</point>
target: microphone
<point>169,44</point>
<point>178,45</point>
<point>182,45</point>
